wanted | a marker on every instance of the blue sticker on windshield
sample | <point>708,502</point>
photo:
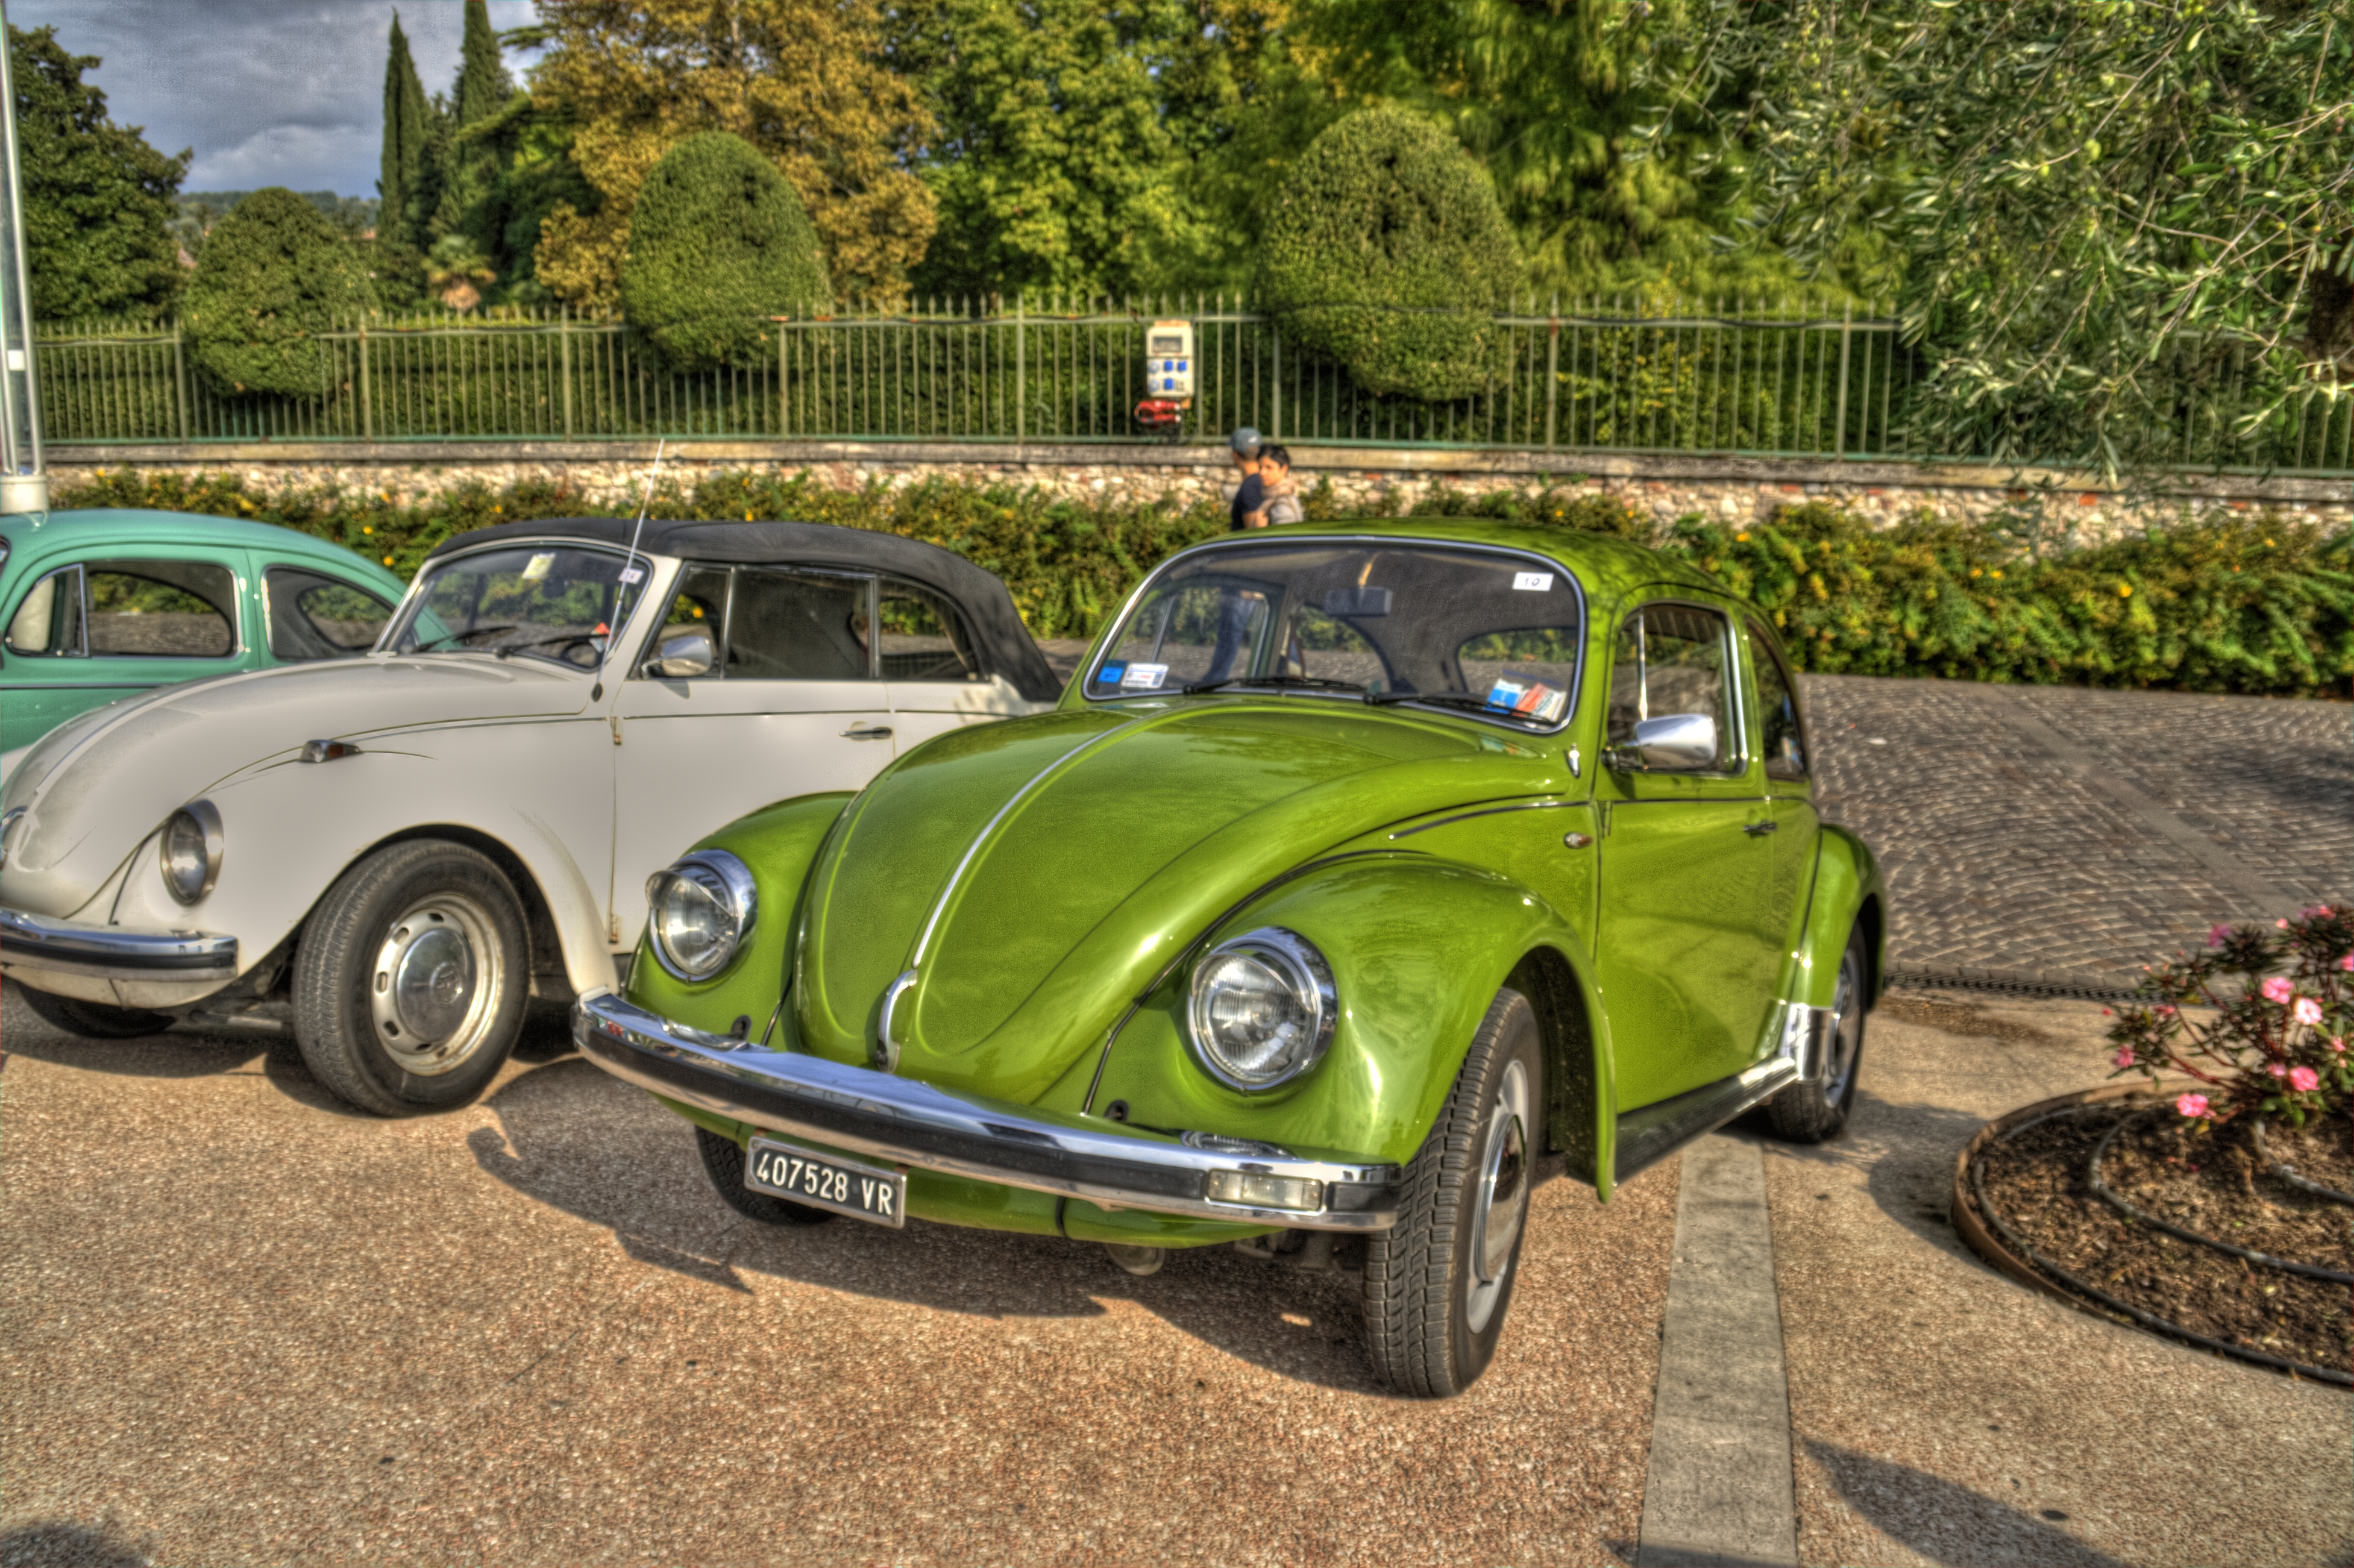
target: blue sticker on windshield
<point>1109,675</point>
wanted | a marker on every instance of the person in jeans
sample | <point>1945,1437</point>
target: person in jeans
<point>1245,443</point>
<point>1235,607</point>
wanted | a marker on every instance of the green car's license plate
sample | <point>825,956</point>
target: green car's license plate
<point>822,1182</point>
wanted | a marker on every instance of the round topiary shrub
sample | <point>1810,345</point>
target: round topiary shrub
<point>274,274</point>
<point>1386,251</point>
<point>719,243</point>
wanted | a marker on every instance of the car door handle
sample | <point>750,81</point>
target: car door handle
<point>871,732</point>
<point>1759,830</point>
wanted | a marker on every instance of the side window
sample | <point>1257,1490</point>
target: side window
<point>800,626</point>
<point>163,609</point>
<point>923,637</point>
<point>48,622</point>
<point>697,614</point>
<point>1671,660</point>
<point>1777,699</point>
<point>316,616</point>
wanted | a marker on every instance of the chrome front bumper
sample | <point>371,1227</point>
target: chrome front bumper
<point>863,1111</point>
<point>39,944</point>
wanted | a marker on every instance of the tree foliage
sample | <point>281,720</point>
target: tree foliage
<point>1386,251</point>
<point>408,130</point>
<point>274,274</point>
<point>2094,212</point>
<point>719,243</point>
<point>473,170</point>
<point>97,198</point>
<point>1071,134</point>
<point>800,79</point>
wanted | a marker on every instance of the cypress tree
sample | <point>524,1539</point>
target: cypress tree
<point>406,132</point>
<point>471,178</point>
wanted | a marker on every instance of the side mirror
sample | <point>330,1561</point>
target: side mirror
<point>683,656</point>
<point>1675,743</point>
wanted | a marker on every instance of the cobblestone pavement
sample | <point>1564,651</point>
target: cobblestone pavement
<point>2174,812</point>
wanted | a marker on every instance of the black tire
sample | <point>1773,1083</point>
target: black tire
<point>388,1014</point>
<point>1810,1113</point>
<point>1435,1307</point>
<point>92,1020</point>
<point>723,1161</point>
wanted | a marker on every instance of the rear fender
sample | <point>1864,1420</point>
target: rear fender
<point>1849,894</point>
<point>1419,948</point>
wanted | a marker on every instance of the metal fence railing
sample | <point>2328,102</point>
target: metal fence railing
<point>1621,375</point>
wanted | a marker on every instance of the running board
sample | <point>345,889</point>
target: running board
<point>1649,1135</point>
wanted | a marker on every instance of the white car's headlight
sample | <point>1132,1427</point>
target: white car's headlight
<point>1263,1008</point>
<point>191,850</point>
<point>699,912</point>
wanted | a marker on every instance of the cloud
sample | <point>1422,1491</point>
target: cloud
<point>265,91</point>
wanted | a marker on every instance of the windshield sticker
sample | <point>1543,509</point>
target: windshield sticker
<point>631,575</point>
<point>1109,675</point>
<point>540,566</point>
<point>1527,698</point>
<point>1533,582</point>
<point>1143,677</point>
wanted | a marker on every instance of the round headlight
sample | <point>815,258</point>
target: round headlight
<point>1263,1008</point>
<point>191,850</point>
<point>699,912</point>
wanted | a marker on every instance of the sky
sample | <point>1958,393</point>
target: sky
<point>267,92</point>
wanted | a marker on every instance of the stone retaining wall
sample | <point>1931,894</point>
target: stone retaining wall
<point>1366,480</point>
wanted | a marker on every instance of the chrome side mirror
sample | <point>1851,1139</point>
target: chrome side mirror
<point>1674,743</point>
<point>689,654</point>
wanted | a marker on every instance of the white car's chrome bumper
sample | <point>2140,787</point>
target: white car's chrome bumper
<point>34,944</point>
<point>922,1126</point>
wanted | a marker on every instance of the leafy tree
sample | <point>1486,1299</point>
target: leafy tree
<point>97,197</point>
<point>471,167</point>
<point>2098,214</point>
<point>1070,135</point>
<point>719,242</point>
<point>407,130</point>
<point>1385,249</point>
<point>801,80</point>
<point>274,274</point>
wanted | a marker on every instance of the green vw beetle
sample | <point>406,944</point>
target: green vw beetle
<point>1360,865</point>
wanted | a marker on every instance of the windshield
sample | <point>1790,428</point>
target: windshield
<point>558,602</point>
<point>1474,629</point>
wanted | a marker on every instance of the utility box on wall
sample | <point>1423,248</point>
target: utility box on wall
<point>1169,359</point>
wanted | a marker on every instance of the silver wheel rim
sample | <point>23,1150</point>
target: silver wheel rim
<point>1847,1032</point>
<point>436,985</point>
<point>1501,1202</point>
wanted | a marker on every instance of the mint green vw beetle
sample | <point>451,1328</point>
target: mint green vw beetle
<point>1360,866</point>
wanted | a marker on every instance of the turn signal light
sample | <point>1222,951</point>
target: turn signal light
<point>1300,1194</point>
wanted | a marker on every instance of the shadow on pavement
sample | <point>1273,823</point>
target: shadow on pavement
<point>1948,1523</point>
<point>1906,1154</point>
<point>63,1543</point>
<point>576,1141</point>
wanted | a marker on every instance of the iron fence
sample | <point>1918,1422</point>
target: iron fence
<point>1748,377</point>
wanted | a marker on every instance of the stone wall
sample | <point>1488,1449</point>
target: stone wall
<point>1366,480</point>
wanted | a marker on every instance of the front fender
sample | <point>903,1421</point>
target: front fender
<point>1419,948</point>
<point>778,844</point>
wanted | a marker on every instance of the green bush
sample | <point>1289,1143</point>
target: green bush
<point>1385,249</point>
<point>275,273</point>
<point>718,242</point>
<point>2257,605</point>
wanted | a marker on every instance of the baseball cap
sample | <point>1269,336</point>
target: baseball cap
<point>1244,440</point>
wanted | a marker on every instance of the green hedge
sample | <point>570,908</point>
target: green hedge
<point>2260,604</point>
<point>275,273</point>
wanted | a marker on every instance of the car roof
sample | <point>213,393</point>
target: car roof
<point>987,604</point>
<point>1605,564</point>
<point>94,524</point>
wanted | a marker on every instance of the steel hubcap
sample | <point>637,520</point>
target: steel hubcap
<point>1847,1032</point>
<point>436,984</point>
<point>1502,1202</point>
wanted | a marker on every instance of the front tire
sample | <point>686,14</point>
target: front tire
<point>92,1020</point>
<point>723,1161</point>
<point>1438,1283</point>
<point>411,977</point>
<point>1810,1113</point>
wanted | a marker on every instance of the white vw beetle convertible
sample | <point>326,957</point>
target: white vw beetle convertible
<point>399,850</point>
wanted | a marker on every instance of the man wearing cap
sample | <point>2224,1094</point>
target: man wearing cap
<point>1252,495</point>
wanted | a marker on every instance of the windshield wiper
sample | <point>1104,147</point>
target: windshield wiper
<point>431,643</point>
<point>1309,683</point>
<point>508,650</point>
<point>1439,699</point>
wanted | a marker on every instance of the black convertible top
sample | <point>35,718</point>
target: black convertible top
<point>1005,644</point>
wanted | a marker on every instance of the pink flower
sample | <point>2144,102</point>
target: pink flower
<point>2306,1011</point>
<point>2166,1010</point>
<point>2304,1080</point>
<point>2337,1043</point>
<point>2215,935</point>
<point>2277,988</point>
<point>2346,963</point>
<point>2125,1058</point>
<point>2276,1070</point>
<point>2281,925</point>
<point>2191,1105</point>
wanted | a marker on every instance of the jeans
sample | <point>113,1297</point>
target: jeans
<point>1234,625</point>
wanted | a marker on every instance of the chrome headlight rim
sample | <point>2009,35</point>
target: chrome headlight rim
<point>204,819</point>
<point>1309,976</point>
<point>728,882</point>
<point>9,822</point>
